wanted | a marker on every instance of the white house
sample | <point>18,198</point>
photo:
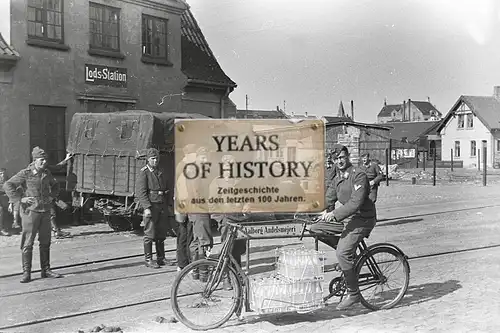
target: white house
<point>471,120</point>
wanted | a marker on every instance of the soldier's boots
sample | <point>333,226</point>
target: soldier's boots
<point>45,264</point>
<point>148,255</point>
<point>353,294</point>
<point>4,232</point>
<point>160,254</point>
<point>195,272</point>
<point>26,257</point>
<point>16,224</point>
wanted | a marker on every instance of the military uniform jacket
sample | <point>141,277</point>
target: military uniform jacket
<point>42,186</point>
<point>373,172</point>
<point>151,187</point>
<point>351,189</point>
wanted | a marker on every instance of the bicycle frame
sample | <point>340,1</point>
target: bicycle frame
<point>225,258</point>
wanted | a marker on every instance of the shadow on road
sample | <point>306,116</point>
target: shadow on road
<point>415,295</point>
<point>429,291</point>
<point>398,222</point>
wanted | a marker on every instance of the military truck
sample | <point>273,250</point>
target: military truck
<point>109,151</point>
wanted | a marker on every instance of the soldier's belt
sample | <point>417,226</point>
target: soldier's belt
<point>158,192</point>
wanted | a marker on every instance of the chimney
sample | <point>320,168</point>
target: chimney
<point>341,112</point>
<point>429,99</point>
<point>404,111</point>
<point>385,101</point>
<point>496,92</point>
<point>306,113</point>
<point>409,109</point>
<point>352,109</point>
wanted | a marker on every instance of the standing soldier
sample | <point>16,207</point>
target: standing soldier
<point>40,191</point>
<point>152,195</point>
<point>202,242</point>
<point>373,173</point>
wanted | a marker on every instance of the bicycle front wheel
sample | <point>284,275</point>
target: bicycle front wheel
<point>383,278</point>
<point>198,298</point>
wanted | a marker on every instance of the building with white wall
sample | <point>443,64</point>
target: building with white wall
<point>471,120</point>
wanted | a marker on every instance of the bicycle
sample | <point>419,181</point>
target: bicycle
<point>368,268</point>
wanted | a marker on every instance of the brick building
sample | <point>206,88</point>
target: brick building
<point>71,56</point>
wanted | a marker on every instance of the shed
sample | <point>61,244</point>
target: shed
<point>359,138</point>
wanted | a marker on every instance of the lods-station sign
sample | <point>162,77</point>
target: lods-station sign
<point>107,76</point>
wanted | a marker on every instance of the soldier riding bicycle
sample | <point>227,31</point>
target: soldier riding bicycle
<point>343,228</point>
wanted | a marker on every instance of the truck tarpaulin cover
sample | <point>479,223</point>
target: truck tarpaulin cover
<point>127,133</point>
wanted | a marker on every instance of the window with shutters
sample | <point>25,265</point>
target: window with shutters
<point>47,130</point>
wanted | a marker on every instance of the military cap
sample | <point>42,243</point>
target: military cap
<point>38,153</point>
<point>337,149</point>
<point>365,154</point>
<point>152,152</point>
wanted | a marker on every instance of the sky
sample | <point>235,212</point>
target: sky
<point>307,56</point>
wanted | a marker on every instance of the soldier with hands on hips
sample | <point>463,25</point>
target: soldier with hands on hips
<point>40,191</point>
<point>152,191</point>
<point>353,220</point>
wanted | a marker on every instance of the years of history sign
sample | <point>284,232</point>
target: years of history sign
<point>249,166</point>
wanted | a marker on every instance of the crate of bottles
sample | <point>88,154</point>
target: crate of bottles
<point>275,294</point>
<point>300,264</point>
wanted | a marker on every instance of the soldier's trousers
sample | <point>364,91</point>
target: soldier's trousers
<point>373,194</point>
<point>155,227</point>
<point>351,235</point>
<point>202,234</point>
<point>184,239</point>
<point>35,223</point>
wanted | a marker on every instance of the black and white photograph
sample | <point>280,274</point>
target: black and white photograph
<point>249,166</point>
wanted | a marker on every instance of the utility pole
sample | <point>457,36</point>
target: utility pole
<point>246,102</point>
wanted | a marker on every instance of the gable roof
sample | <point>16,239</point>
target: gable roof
<point>330,119</point>
<point>256,114</point>
<point>7,52</point>
<point>198,62</point>
<point>485,108</point>
<point>425,107</point>
<point>410,130</point>
<point>387,110</point>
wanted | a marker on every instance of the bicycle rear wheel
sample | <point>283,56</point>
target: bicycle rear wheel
<point>383,277</point>
<point>203,305</point>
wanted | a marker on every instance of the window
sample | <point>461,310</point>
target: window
<point>473,149</point>
<point>460,121</point>
<point>457,149</point>
<point>498,145</point>
<point>154,37</point>
<point>45,20</point>
<point>470,120</point>
<point>104,27</point>
<point>47,130</point>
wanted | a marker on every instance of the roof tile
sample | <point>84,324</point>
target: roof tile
<point>198,61</point>
<point>6,50</point>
